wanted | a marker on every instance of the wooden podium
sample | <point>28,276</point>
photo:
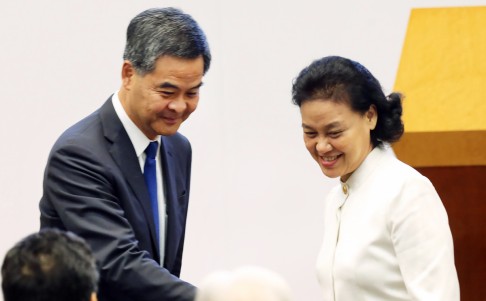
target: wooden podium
<point>442,74</point>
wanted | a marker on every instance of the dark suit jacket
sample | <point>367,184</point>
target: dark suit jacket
<point>93,186</point>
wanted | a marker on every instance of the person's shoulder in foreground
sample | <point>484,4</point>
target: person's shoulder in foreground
<point>50,265</point>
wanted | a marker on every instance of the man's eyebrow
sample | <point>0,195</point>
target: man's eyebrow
<point>168,85</point>
<point>172,86</point>
<point>197,86</point>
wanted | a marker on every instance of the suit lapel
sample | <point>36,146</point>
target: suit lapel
<point>123,153</point>
<point>169,173</point>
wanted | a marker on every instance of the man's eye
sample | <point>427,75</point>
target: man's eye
<point>167,93</point>
<point>192,93</point>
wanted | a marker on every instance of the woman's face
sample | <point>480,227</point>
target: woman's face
<point>337,137</point>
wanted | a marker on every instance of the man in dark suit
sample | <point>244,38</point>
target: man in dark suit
<point>98,181</point>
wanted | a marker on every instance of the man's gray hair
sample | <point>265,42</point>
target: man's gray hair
<point>164,31</point>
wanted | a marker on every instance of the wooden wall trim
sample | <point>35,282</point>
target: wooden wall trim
<point>434,149</point>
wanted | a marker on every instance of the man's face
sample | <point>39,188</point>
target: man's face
<point>158,102</point>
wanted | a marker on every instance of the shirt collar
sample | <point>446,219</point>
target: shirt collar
<point>137,137</point>
<point>370,163</point>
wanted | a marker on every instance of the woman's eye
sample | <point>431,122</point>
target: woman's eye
<point>310,134</point>
<point>335,134</point>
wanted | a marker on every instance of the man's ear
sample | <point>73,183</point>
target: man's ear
<point>94,297</point>
<point>372,117</point>
<point>128,72</point>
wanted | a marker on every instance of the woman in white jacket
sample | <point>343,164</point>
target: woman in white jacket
<point>386,232</point>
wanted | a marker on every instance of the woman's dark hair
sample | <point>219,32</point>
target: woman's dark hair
<point>343,80</point>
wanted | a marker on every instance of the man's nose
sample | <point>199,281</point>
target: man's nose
<point>178,104</point>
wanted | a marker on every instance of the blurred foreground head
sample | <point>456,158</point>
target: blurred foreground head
<point>244,284</point>
<point>50,265</point>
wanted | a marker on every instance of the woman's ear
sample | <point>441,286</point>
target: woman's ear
<point>372,117</point>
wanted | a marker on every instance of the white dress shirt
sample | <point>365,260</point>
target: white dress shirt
<point>386,237</point>
<point>140,143</point>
